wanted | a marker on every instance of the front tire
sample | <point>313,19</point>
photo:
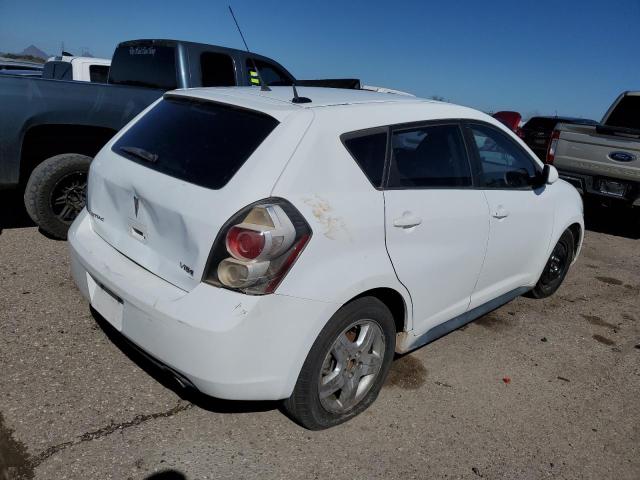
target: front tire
<point>556,268</point>
<point>56,192</point>
<point>346,367</point>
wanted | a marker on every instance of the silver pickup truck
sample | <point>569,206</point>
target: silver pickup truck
<point>602,161</point>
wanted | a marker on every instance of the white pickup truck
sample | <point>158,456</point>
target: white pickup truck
<point>84,69</point>
<point>602,161</point>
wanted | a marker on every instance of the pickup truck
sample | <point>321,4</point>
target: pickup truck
<point>51,129</point>
<point>602,161</point>
<point>82,69</point>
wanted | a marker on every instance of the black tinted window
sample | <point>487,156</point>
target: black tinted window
<point>98,73</point>
<point>270,74</point>
<point>504,164</point>
<point>217,70</point>
<point>58,70</point>
<point>199,142</point>
<point>540,123</point>
<point>145,66</point>
<point>626,114</point>
<point>432,156</point>
<point>369,152</point>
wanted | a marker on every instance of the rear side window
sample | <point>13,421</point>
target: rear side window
<point>98,73</point>
<point>151,66</point>
<point>199,142</point>
<point>217,70</point>
<point>430,156</point>
<point>369,152</point>
<point>270,74</point>
<point>626,114</point>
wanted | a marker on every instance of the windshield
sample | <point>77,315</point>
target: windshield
<point>626,113</point>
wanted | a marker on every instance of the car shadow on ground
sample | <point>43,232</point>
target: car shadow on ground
<point>12,212</point>
<point>612,220</point>
<point>168,379</point>
<point>167,475</point>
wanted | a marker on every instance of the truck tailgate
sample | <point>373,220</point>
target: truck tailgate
<point>581,150</point>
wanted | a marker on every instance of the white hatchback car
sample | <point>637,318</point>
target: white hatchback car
<point>264,249</point>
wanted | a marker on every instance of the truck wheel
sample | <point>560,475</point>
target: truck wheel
<point>346,367</point>
<point>56,192</point>
<point>556,268</point>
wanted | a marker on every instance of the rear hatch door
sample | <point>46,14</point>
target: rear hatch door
<point>161,190</point>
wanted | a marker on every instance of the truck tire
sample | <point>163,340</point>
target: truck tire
<point>56,192</point>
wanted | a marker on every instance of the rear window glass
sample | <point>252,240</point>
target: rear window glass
<point>369,152</point>
<point>152,66</point>
<point>537,123</point>
<point>199,142</point>
<point>626,114</point>
<point>98,73</point>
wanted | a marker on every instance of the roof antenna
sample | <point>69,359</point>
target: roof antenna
<point>263,86</point>
<point>296,98</point>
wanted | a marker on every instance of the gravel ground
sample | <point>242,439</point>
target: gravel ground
<point>536,389</point>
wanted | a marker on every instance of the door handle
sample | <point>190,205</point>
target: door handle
<point>407,221</point>
<point>500,213</point>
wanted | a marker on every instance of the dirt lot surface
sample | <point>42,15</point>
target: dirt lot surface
<point>536,389</point>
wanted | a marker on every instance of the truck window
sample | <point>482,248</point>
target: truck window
<point>270,74</point>
<point>203,143</point>
<point>98,73</point>
<point>626,114</point>
<point>57,70</point>
<point>152,66</point>
<point>217,70</point>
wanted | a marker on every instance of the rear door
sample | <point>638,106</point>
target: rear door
<point>521,216</point>
<point>437,223</point>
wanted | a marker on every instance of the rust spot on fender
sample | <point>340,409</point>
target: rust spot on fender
<point>334,226</point>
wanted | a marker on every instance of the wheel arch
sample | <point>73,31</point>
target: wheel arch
<point>43,141</point>
<point>394,301</point>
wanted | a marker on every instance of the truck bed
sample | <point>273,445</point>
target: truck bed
<point>29,102</point>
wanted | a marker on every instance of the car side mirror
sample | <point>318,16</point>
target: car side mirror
<point>550,174</point>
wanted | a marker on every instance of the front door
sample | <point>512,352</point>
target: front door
<point>437,223</point>
<point>521,214</point>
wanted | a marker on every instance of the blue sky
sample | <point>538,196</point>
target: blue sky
<point>570,57</point>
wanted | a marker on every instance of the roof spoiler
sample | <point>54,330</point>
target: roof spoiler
<point>348,83</point>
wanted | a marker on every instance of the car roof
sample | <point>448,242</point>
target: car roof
<point>319,96</point>
<point>374,108</point>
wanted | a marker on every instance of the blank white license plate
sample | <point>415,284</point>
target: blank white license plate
<point>106,303</point>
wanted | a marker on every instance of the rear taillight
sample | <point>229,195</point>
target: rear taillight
<point>257,247</point>
<point>553,144</point>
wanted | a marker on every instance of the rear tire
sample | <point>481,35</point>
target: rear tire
<point>346,366</point>
<point>56,192</point>
<point>556,268</point>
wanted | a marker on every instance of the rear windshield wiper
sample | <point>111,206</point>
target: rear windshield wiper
<point>140,153</point>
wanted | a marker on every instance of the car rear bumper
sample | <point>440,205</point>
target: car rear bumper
<point>228,345</point>
<point>591,185</point>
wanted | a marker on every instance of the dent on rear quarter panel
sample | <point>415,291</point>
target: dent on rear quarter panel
<point>346,254</point>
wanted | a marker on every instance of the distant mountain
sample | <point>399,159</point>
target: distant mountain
<point>34,51</point>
